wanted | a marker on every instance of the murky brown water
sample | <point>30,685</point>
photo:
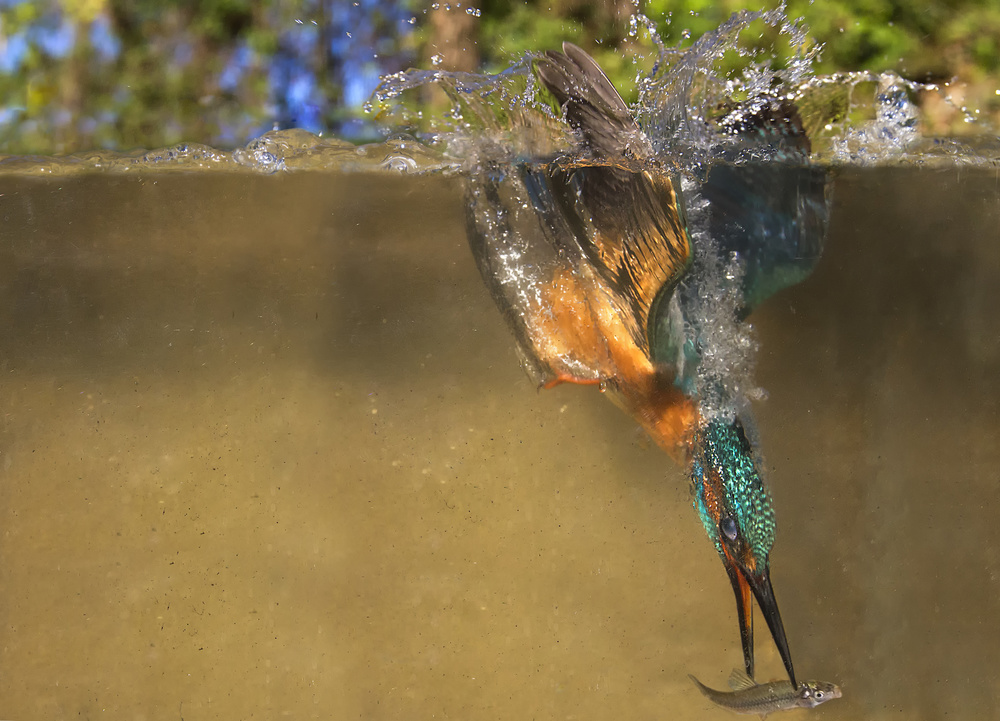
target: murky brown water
<point>266,451</point>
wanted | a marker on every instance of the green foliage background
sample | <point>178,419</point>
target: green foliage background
<point>929,40</point>
<point>144,99</point>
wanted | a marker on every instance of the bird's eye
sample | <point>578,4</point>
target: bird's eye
<point>728,527</point>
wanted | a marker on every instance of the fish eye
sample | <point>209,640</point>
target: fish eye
<point>728,527</point>
<point>818,695</point>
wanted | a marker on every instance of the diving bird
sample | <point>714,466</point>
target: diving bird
<point>590,259</point>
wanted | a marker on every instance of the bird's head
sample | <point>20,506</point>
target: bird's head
<point>736,510</point>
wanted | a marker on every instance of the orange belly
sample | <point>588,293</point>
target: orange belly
<point>582,337</point>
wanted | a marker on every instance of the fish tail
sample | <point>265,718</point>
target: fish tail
<point>701,687</point>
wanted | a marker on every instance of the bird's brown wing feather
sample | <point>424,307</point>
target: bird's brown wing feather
<point>624,218</point>
<point>578,253</point>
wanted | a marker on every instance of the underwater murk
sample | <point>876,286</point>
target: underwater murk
<point>267,449</point>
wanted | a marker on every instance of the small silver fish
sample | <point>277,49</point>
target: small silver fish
<point>763,698</point>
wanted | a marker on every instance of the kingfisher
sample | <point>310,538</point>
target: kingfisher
<point>591,260</point>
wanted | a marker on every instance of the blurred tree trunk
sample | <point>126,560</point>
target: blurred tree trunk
<point>454,38</point>
<point>453,45</point>
<point>73,75</point>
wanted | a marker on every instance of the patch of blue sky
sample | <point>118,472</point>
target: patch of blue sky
<point>239,62</point>
<point>302,37</point>
<point>54,36</point>
<point>300,98</point>
<point>301,89</point>
<point>103,39</point>
<point>359,83</point>
<point>345,29</point>
<point>13,51</point>
<point>11,114</point>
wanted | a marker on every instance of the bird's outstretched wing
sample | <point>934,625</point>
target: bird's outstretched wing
<point>578,252</point>
<point>624,215</point>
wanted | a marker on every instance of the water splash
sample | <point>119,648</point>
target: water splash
<point>721,373</point>
<point>683,100</point>
<point>482,117</point>
<point>740,118</point>
<point>686,100</point>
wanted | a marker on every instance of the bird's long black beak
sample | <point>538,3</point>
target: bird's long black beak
<point>758,584</point>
